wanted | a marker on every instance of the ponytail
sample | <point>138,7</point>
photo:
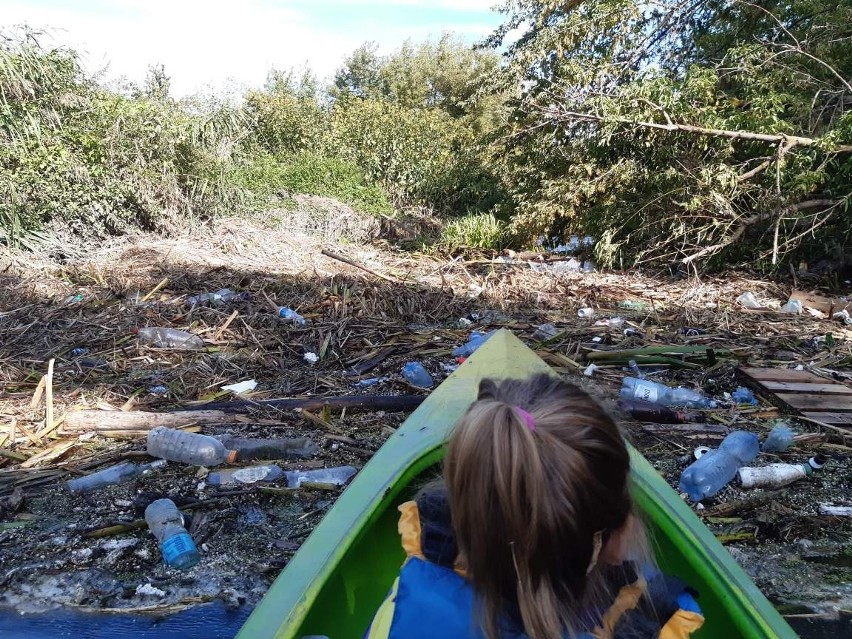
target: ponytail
<point>536,474</point>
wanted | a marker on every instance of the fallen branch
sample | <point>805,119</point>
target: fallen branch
<point>392,403</point>
<point>345,260</point>
<point>772,138</point>
<point>116,420</point>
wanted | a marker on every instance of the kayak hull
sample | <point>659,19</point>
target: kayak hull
<point>343,571</point>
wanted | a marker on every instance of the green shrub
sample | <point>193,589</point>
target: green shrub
<point>477,230</point>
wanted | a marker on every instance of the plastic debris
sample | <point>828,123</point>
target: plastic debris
<point>744,395</point>
<point>843,316</point>
<point>248,475</point>
<point>79,352</point>
<point>416,375</point>
<point>780,438</point>
<point>166,524</point>
<point>590,370</point>
<point>218,298</point>
<point>189,448</point>
<point>476,339</point>
<point>715,469</point>
<point>161,337</point>
<point>612,322</point>
<point>778,475</point>
<point>311,358</point>
<point>585,313</point>
<point>835,511</point>
<point>589,266</point>
<point>700,451</point>
<point>241,387</point>
<point>748,300</point>
<point>464,322</point>
<point>545,332</point>
<point>112,475</point>
<point>337,476</point>
<point>634,368</point>
<point>159,389</point>
<point>648,412</point>
<point>290,315</point>
<point>793,306</point>
<point>372,381</point>
<point>692,332</point>
<point>646,390</point>
<point>632,332</point>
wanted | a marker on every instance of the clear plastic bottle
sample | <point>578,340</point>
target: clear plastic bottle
<point>477,339</point>
<point>648,391</point>
<point>189,448</point>
<point>162,337</point>
<point>780,438</point>
<point>112,475</point>
<point>289,314</point>
<point>337,476</point>
<point>416,375</point>
<point>716,468</point>
<point>221,296</point>
<point>166,524</point>
<point>249,475</point>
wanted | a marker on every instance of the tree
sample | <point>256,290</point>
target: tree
<point>157,83</point>
<point>681,130</point>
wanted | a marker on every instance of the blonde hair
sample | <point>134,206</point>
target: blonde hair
<point>532,498</point>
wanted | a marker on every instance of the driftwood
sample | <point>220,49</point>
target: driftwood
<point>135,422</point>
<point>389,403</point>
<point>116,420</point>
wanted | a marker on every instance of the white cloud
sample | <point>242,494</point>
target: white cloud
<point>206,43</point>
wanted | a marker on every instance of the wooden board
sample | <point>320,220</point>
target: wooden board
<point>781,375</point>
<point>805,393</point>
<point>837,419</point>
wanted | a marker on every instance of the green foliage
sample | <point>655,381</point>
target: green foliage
<point>476,230</point>
<point>594,143</point>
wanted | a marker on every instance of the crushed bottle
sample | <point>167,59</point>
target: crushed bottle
<point>477,339</point>
<point>290,315</point>
<point>113,475</point>
<point>780,438</point>
<point>416,375</point>
<point>744,395</point>
<point>189,448</point>
<point>337,476</point>
<point>162,337</point>
<point>748,300</point>
<point>166,523</point>
<point>794,307</point>
<point>222,296</point>
<point>249,475</point>
<point>545,332</point>
<point>716,468</point>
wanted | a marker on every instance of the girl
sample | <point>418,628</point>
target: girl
<point>532,534</point>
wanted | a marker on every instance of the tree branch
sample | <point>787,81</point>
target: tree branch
<point>789,141</point>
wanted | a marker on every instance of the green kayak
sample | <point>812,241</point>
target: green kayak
<point>343,571</point>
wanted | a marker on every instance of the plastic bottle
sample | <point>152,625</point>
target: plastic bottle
<point>589,266</point>
<point>277,448</point>
<point>655,393</point>
<point>634,368</point>
<point>189,448</point>
<point>289,314</point>
<point>250,475</point>
<point>648,412</point>
<point>112,475</point>
<point>780,438</point>
<point>748,300</point>
<point>586,313</point>
<point>708,475</point>
<point>744,395</point>
<point>477,339</point>
<point>337,476</point>
<point>221,296</point>
<point>166,524</point>
<point>778,475</point>
<point>793,306</point>
<point>416,375</point>
<point>545,332</point>
<point>569,266</point>
<point>162,337</point>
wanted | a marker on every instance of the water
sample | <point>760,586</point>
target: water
<point>207,621</point>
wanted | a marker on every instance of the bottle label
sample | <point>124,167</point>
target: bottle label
<point>646,393</point>
<point>176,546</point>
<point>251,475</point>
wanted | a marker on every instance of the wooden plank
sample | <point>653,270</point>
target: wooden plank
<point>830,418</point>
<point>816,389</point>
<point>813,403</point>
<point>780,375</point>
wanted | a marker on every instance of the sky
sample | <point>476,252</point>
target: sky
<point>209,45</point>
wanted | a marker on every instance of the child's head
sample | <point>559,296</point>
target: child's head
<point>536,474</point>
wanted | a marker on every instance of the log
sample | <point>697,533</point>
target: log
<point>390,403</point>
<point>116,420</point>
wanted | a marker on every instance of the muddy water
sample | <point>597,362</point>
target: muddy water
<point>210,621</point>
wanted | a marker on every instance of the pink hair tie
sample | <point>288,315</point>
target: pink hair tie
<point>527,417</point>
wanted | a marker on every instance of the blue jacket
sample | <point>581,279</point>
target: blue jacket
<point>431,598</point>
